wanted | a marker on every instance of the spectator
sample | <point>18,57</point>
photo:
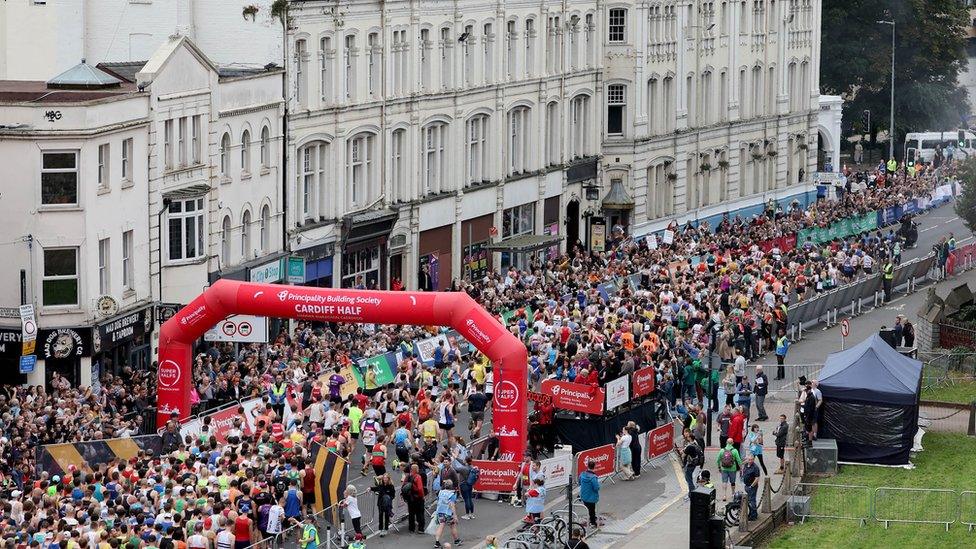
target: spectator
<point>729,463</point>
<point>589,485</point>
<point>446,513</point>
<point>781,432</point>
<point>750,478</point>
<point>761,389</point>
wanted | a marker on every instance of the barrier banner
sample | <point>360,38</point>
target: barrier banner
<point>617,392</point>
<point>496,476</point>
<point>385,365</point>
<point>660,441</point>
<point>222,421</point>
<point>539,398</point>
<point>55,459</point>
<point>642,382</point>
<point>605,458</point>
<point>574,396</point>
<point>558,469</point>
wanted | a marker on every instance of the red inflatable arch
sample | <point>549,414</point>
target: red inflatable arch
<point>454,309</point>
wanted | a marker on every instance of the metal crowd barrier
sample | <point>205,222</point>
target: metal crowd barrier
<point>836,501</point>
<point>857,297</point>
<point>967,509</point>
<point>916,506</point>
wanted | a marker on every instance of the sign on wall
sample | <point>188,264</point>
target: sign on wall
<point>240,329</point>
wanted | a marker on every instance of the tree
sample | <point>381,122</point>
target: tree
<point>966,202</point>
<point>930,52</point>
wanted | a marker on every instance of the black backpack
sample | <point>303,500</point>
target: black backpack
<point>406,489</point>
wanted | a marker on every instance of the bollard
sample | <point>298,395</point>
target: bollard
<point>744,513</point>
<point>788,476</point>
<point>972,419</point>
<point>853,308</point>
<point>767,496</point>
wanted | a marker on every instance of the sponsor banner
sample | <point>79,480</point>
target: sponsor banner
<point>347,388</point>
<point>28,331</point>
<point>452,341</point>
<point>65,343</point>
<point>618,392</point>
<point>496,476</point>
<point>240,329</point>
<point>605,458</point>
<point>558,470</point>
<point>642,382</point>
<point>660,441</point>
<point>573,396</point>
<point>385,366</point>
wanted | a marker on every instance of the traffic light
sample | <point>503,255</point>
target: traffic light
<point>866,121</point>
<point>961,138</point>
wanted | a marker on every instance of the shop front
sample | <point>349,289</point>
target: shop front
<point>364,249</point>
<point>475,239</point>
<point>10,351</point>
<point>550,225</point>
<point>67,352</point>
<point>124,341</point>
<point>318,264</point>
<point>435,269</point>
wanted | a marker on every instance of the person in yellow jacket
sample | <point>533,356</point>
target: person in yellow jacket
<point>310,534</point>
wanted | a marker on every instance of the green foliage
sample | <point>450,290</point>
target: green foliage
<point>279,10</point>
<point>966,202</point>
<point>930,52</point>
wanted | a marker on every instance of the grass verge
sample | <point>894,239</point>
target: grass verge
<point>947,462</point>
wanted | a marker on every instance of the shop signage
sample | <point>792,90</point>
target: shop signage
<point>122,329</point>
<point>605,458</point>
<point>574,396</point>
<point>267,273</point>
<point>296,270</point>
<point>9,312</point>
<point>65,343</point>
<point>10,341</point>
<point>166,311</point>
<point>598,235</point>
<point>496,476</point>
<point>240,329</point>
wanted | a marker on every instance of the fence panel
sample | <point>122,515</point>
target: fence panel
<point>967,509</point>
<point>915,505</point>
<point>835,501</point>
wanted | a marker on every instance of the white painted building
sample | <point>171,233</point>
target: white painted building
<point>40,38</point>
<point>92,157</point>
<point>421,133</point>
<point>711,105</point>
<point>689,109</point>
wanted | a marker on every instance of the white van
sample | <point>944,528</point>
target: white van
<point>921,145</point>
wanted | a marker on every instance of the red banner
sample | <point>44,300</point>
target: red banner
<point>496,476</point>
<point>642,382</point>
<point>574,396</point>
<point>660,441</point>
<point>605,458</point>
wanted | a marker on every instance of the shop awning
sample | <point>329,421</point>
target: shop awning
<point>367,226</point>
<point>525,243</point>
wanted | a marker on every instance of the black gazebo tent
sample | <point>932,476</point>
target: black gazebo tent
<point>870,403</point>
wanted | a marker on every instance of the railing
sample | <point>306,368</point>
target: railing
<point>885,504</point>
<point>916,505</point>
<point>967,509</point>
<point>834,501</point>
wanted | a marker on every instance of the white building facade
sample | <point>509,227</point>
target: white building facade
<point>711,105</point>
<point>430,141</point>
<point>125,195</point>
<point>40,38</point>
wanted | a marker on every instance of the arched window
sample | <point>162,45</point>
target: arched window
<point>434,161</point>
<point>360,169</point>
<point>579,125</point>
<point>477,149</point>
<point>398,176</point>
<point>225,242</point>
<point>553,141</point>
<point>518,140</point>
<point>246,152</point>
<point>313,159</point>
<point>266,147</point>
<point>225,154</point>
<point>265,229</point>
<point>301,72</point>
<point>246,236</point>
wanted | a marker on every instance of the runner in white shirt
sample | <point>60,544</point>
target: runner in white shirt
<point>225,537</point>
<point>275,516</point>
<point>198,540</point>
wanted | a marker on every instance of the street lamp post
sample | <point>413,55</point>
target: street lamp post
<point>891,119</point>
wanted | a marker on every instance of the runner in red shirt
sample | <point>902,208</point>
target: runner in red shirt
<point>243,530</point>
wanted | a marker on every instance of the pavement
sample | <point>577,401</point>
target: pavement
<point>646,511</point>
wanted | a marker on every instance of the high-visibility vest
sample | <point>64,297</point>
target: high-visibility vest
<point>889,271</point>
<point>310,532</point>
<point>278,392</point>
